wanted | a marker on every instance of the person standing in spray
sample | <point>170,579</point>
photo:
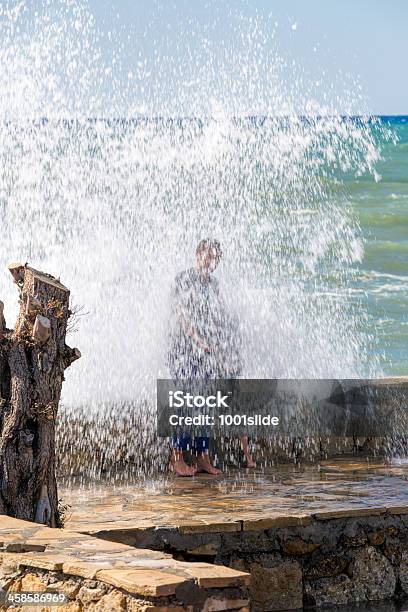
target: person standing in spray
<point>204,345</point>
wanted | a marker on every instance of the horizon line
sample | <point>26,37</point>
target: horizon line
<point>156,117</point>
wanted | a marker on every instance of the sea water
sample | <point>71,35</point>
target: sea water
<point>382,211</point>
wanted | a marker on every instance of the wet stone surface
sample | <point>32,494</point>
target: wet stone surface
<point>213,545</point>
<point>256,499</point>
<point>308,537</point>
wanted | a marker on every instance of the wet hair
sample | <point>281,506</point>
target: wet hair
<point>209,243</point>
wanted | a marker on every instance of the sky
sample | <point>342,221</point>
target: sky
<point>366,39</point>
<point>198,57</point>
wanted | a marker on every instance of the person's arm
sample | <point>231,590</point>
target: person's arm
<point>189,330</point>
<point>227,350</point>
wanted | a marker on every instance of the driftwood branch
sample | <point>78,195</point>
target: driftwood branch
<point>33,358</point>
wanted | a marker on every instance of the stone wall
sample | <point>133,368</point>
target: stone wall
<point>295,561</point>
<point>339,557</point>
<point>104,576</point>
<point>96,596</point>
<point>281,562</point>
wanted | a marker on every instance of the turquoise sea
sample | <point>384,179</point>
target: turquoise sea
<point>382,277</point>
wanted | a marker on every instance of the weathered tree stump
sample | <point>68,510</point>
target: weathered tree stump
<point>33,358</point>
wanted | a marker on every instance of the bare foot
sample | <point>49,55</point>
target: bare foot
<point>249,461</point>
<point>179,466</point>
<point>204,465</point>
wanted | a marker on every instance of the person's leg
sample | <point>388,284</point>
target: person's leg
<point>200,444</point>
<point>178,368</point>
<point>244,443</point>
<point>177,463</point>
<point>201,451</point>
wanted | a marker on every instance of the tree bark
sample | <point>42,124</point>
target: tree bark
<point>33,358</point>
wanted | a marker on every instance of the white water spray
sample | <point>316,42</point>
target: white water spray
<point>116,206</point>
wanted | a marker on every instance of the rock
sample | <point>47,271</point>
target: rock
<point>249,542</point>
<point>259,541</point>
<point>392,531</point>
<point>92,584</point>
<point>221,604</point>
<point>335,590</point>
<point>109,602</point>
<point>353,537</point>
<point>376,538</point>
<point>14,586</point>
<point>135,606</point>
<point>371,578</point>
<point>238,564</point>
<point>403,571</point>
<point>31,582</point>
<point>69,587</point>
<point>331,565</point>
<point>87,595</point>
<point>72,606</point>
<point>276,588</point>
<point>297,546</point>
<point>210,549</point>
<point>9,567</point>
<point>372,574</point>
<point>393,552</point>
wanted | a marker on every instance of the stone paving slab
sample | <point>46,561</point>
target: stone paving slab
<point>152,582</point>
<point>276,520</point>
<point>397,509</point>
<point>210,526</point>
<point>250,500</point>
<point>348,512</point>
<point>139,572</point>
